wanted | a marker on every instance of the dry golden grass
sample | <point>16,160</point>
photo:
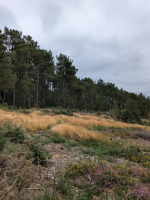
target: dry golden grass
<point>31,122</point>
<point>88,117</point>
<point>36,120</point>
<point>90,121</point>
<point>145,120</point>
<point>79,132</point>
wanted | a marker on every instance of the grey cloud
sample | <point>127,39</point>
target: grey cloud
<point>49,14</point>
<point>105,39</point>
<point>8,18</point>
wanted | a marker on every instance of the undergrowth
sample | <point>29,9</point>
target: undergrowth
<point>12,133</point>
<point>24,161</point>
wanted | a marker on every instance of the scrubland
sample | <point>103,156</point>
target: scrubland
<point>44,155</point>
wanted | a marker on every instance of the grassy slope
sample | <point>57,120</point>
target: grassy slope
<point>81,147</point>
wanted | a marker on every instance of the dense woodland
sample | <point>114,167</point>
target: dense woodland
<point>31,77</point>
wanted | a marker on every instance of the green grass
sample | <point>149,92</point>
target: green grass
<point>58,111</point>
<point>3,108</point>
<point>105,151</point>
<point>58,139</point>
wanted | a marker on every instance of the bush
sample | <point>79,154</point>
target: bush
<point>56,111</point>
<point>127,116</point>
<point>14,133</point>
<point>39,154</point>
<point>63,111</point>
<point>66,112</point>
<point>113,113</point>
<point>74,110</point>
<point>47,112</point>
<point>2,107</point>
<point>99,113</point>
<point>2,138</point>
<point>25,111</point>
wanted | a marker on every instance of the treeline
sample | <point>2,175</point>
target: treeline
<point>31,77</point>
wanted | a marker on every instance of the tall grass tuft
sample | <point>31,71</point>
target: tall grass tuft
<point>79,133</point>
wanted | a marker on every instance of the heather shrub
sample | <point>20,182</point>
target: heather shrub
<point>95,177</point>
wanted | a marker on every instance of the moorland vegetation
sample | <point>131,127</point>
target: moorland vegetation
<point>46,156</point>
<point>62,137</point>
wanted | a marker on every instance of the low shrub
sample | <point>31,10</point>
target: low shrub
<point>63,185</point>
<point>99,113</point>
<point>74,110</point>
<point>2,162</point>
<point>95,177</point>
<point>25,111</point>
<point>56,111</point>
<point>2,138</point>
<point>67,112</point>
<point>2,107</point>
<point>128,116</point>
<point>134,154</point>
<point>113,113</point>
<point>14,133</point>
<point>39,154</point>
<point>46,111</point>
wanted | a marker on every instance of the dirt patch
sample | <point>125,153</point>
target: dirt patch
<point>61,156</point>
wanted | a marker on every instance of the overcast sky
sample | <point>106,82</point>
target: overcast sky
<point>107,39</point>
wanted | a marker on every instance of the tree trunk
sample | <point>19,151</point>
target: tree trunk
<point>24,99</point>
<point>64,102</point>
<point>4,98</point>
<point>14,95</point>
<point>29,105</point>
<point>37,90</point>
